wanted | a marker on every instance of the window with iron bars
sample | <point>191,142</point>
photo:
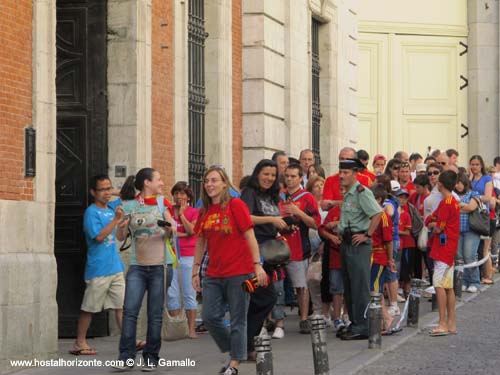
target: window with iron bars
<point>196,94</point>
<point>315,104</point>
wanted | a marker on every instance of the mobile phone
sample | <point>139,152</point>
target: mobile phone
<point>442,239</point>
<point>163,223</point>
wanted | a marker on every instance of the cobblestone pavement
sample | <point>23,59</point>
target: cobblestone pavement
<point>474,350</point>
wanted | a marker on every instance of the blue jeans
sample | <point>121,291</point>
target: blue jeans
<point>467,252</point>
<point>217,292</point>
<point>138,280</point>
<point>185,269</point>
<point>278,312</point>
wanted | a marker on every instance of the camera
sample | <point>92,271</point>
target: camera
<point>291,220</point>
<point>163,223</point>
<point>250,285</point>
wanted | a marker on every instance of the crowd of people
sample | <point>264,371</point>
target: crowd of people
<point>370,228</point>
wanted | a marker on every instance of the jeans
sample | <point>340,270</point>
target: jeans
<point>468,244</point>
<point>185,269</point>
<point>278,312</point>
<point>261,304</point>
<point>217,292</point>
<point>138,280</point>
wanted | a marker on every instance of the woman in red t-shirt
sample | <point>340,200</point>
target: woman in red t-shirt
<point>225,228</point>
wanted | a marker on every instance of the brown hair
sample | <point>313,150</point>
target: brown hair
<point>225,197</point>
<point>312,181</point>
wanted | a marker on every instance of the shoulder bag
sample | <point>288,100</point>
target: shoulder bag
<point>479,219</point>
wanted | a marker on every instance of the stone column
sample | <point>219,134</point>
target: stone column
<point>482,59</point>
<point>264,127</point>
<point>129,85</point>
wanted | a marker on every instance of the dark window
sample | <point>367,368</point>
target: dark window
<point>316,113</point>
<point>196,105</point>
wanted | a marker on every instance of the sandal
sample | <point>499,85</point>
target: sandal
<point>438,332</point>
<point>486,280</point>
<point>86,351</point>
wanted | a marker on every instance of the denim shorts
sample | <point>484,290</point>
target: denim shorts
<point>336,282</point>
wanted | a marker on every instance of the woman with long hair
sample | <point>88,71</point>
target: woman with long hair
<point>482,183</point>
<point>149,225</point>
<point>185,218</point>
<point>468,241</point>
<point>261,195</point>
<point>225,228</point>
<point>392,169</point>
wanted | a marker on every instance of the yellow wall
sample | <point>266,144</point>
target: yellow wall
<point>409,75</point>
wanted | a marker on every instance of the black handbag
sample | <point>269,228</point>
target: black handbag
<point>275,252</point>
<point>479,219</point>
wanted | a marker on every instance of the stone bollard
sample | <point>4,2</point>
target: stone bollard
<point>318,338</point>
<point>434,302</point>
<point>375,320</point>
<point>414,303</point>
<point>457,278</point>
<point>264,359</point>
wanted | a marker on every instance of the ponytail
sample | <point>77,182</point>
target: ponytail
<point>127,192</point>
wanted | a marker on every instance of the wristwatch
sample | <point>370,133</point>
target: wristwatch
<point>368,235</point>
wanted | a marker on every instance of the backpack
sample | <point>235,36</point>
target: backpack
<point>417,223</point>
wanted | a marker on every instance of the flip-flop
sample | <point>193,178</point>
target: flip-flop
<point>438,332</point>
<point>78,351</point>
<point>453,332</point>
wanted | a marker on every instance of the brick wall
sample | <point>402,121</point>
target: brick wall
<point>237,94</point>
<point>162,91</point>
<point>15,96</point>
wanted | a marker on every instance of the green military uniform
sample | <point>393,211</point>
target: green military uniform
<point>358,207</point>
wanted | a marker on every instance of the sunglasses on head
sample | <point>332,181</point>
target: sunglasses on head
<point>404,165</point>
<point>435,173</point>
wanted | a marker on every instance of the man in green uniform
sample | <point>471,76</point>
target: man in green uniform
<point>360,216</point>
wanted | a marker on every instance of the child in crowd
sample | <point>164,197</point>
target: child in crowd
<point>382,258</point>
<point>332,244</point>
<point>407,243</point>
<point>445,225</point>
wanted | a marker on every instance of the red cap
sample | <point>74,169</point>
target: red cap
<point>379,157</point>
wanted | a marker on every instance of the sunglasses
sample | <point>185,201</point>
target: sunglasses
<point>442,163</point>
<point>404,165</point>
<point>395,168</point>
<point>435,173</point>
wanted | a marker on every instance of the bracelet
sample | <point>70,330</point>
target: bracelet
<point>194,275</point>
<point>197,264</point>
<point>260,264</point>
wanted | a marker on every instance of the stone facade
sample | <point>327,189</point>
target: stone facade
<point>277,77</point>
<point>28,272</point>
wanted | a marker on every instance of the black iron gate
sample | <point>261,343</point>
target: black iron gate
<point>316,113</point>
<point>196,105</point>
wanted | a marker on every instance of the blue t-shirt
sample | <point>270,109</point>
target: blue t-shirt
<point>394,218</point>
<point>103,258</point>
<point>480,184</point>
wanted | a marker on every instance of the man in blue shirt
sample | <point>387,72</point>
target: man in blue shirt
<point>105,287</point>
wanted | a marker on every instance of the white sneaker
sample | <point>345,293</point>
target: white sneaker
<point>263,332</point>
<point>279,333</point>
<point>328,321</point>
<point>472,289</point>
<point>464,288</point>
<point>393,310</point>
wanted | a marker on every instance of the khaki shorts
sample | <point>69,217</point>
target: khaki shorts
<point>297,271</point>
<point>443,275</point>
<point>105,292</point>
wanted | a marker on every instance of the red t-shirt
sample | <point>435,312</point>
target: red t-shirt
<point>224,229</point>
<point>298,241</point>
<point>492,210</point>
<point>406,240</point>
<point>368,174</point>
<point>335,261</point>
<point>447,217</point>
<point>418,202</point>
<point>331,189</point>
<point>382,234</point>
<point>409,187</point>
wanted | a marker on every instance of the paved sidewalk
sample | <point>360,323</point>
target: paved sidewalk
<point>292,355</point>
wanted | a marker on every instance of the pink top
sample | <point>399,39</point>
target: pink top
<point>187,244</point>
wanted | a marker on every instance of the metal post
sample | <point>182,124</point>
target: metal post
<point>414,303</point>
<point>375,321</point>
<point>318,338</point>
<point>457,278</point>
<point>264,359</point>
<point>434,302</point>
